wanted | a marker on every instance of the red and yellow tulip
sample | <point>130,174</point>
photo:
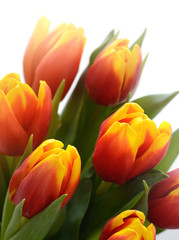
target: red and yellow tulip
<point>53,56</point>
<point>22,114</point>
<point>129,144</point>
<point>163,202</point>
<point>45,175</point>
<point>128,225</point>
<point>114,73</point>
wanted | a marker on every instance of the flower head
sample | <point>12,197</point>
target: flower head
<point>164,202</point>
<point>53,56</point>
<point>114,73</point>
<point>129,144</point>
<point>22,114</point>
<point>128,225</point>
<point>45,175</point>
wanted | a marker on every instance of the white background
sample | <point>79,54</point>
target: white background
<point>161,18</point>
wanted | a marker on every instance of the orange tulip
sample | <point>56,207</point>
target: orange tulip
<point>22,114</point>
<point>53,56</point>
<point>114,73</point>
<point>44,176</point>
<point>128,225</point>
<point>129,144</point>
<point>163,202</point>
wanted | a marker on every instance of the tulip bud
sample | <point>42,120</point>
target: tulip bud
<point>163,202</point>
<point>129,144</point>
<point>53,56</point>
<point>22,114</point>
<point>128,225</point>
<point>44,176</point>
<point>114,73</point>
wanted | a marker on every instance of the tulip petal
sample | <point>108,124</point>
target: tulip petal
<point>124,114</point>
<point>168,185</point>
<point>154,153</point>
<point>125,234</point>
<point>151,233</point>
<point>115,153</point>
<point>129,219</point>
<point>164,211</point>
<point>75,174</point>
<point>48,42</point>
<point>9,82</point>
<point>40,32</point>
<point>47,148</point>
<point>52,171</point>
<point>13,138</point>
<point>147,132</point>
<point>104,79</point>
<point>41,121</point>
<point>133,70</point>
<point>66,52</point>
<point>23,102</point>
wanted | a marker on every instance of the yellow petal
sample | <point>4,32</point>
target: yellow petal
<point>40,32</point>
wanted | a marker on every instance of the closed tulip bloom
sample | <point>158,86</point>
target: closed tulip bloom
<point>44,176</point>
<point>163,202</point>
<point>128,225</point>
<point>22,114</point>
<point>53,56</point>
<point>129,144</point>
<point>114,73</point>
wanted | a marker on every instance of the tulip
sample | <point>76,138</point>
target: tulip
<point>48,173</point>
<point>22,114</point>
<point>53,56</point>
<point>163,202</point>
<point>128,225</point>
<point>129,144</point>
<point>114,73</point>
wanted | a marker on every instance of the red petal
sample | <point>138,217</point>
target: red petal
<point>13,138</point>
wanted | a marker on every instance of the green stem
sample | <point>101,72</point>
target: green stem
<point>7,214</point>
<point>103,187</point>
<point>54,124</point>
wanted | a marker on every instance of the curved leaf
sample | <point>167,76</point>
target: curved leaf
<point>76,210</point>
<point>171,154</point>
<point>153,104</point>
<point>142,204</point>
<point>16,221</point>
<point>71,114</point>
<point>140,40</point>
<point>38,226</point>
<point>116,200</point>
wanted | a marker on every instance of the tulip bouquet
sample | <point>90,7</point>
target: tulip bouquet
<point>99,168</point>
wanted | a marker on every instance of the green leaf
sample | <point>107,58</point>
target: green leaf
<point>110,37</point>
<point>3,189</point>
<point>4,179</point>
<point>16,221</point>
<point>8,210</point>
<point>71,114</point>
<point>55,106</point>
<point>142,204</point>
<point>144,62</point>
<point>117,200</point>
<point>56,226</point>
<point>140,40</point>
<point>38,226</point>
<point>159,230</point>
<point>8,207</point>
<point>27,152</point>
<point>76,210</point>
<point>153,104</point>
<point>171,154</point>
